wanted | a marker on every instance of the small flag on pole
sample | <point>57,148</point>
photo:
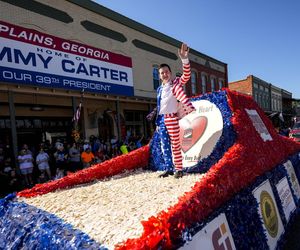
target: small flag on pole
<point>77,113</point>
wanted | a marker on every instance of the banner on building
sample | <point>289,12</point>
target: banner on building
<point>215,235</point>
<point>268,211</point>
<point>34,58</point>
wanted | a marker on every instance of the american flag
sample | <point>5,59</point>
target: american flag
<point>77,113</point>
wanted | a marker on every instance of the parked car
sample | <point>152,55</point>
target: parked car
<point>295,132</point>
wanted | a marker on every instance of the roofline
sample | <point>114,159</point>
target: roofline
<point>260,80</point>
<point>237,81</point>
<point>115,16</point>
<point>291,99</point>
<point>286,92</point>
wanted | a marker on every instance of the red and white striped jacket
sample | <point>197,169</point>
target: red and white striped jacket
<point>185,105</point>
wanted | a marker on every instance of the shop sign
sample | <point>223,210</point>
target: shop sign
<point>29,57</point>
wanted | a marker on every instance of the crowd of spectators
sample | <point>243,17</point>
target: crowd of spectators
<point>49,161</point>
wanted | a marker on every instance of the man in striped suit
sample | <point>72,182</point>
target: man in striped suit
<point>169,94</point>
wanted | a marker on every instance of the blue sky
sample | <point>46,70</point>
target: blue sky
<point>257,37</point>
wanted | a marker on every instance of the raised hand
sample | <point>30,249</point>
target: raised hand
<point>183,52</point>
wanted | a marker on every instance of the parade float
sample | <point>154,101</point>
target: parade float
<point>240,190</point>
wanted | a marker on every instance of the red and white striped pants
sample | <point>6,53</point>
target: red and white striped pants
<point>172,125</point>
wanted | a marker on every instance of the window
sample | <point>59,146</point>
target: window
<point>259,99</point>
<point>7,123</point>
<point>255,97</point>
<point>273,104</point>
<point>203,83</point>
<point>193,82</point>
<point>35,123</point>
<point>213,84</point>
<point>264,101</point>
<point>20,123</point>
<point>267,103</point>
<point>134,121</point>
<point>155,75</point>
<point>2,123</point>
<point>221,83</point>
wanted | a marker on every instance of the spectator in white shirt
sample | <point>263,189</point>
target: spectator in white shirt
<point>26,166</point>
<point>42,160</point>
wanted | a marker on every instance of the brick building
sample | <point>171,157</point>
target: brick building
<point>272,99</point>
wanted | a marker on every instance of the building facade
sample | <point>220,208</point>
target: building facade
<point>271,99</point>
<point>57,54</point>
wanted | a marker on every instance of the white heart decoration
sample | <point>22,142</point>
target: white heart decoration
<point>199,132</point>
